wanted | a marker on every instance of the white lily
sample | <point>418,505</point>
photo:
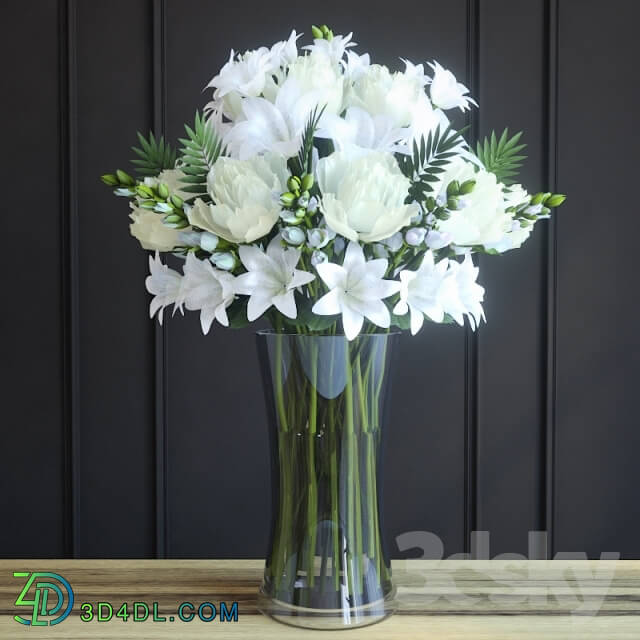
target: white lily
<point>207,290</point>
<point>421,292</point>
<point>357,289</point>
<point>461,294</point>
<point>271,278</point>
<point>163,284</point>
<point>334,48</point>
<point>271,126</point>
<point>359,130</point>
<point>446,92</point>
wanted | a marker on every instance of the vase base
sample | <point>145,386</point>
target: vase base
<point>327,619</point>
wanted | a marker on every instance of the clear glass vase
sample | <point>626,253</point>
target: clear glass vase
<point>327,567</point>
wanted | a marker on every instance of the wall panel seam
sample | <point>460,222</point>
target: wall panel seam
<point>471,338</point>
<point>551,276</point>
<point>160,331</point>
<point>68,141</point>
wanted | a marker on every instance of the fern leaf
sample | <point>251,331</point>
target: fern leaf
<point>200,149</point>
<point>154,155</point>
<point>502,156</point>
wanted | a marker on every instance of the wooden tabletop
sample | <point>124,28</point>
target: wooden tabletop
<point>492,600</point>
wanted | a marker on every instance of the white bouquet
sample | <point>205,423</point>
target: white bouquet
<point>322,191</point>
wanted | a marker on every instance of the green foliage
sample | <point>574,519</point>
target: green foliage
<point>428,160</point>
<point>501,156</point>
<point>302,164</point>
<point>154,155</point>
<point>201,149</point>
<point>237,313</point>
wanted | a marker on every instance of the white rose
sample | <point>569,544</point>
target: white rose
<point>244,207</point>
<point>381,92</point>
<point>148,229</point>
<point>363,197</point>
<point>318,74</point>
<point>482,218</point>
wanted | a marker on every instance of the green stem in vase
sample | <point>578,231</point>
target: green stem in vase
<point>312,501</point>
<point>349,433</point>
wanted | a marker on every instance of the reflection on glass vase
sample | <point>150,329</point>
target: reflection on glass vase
<point>327,566</point>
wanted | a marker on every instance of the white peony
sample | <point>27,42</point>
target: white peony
<point>381,92</point>
<point>363,197</point>
<point>317,73</point>
<point>147,227</point>
<point>244,206</point>
<point>482,218</point>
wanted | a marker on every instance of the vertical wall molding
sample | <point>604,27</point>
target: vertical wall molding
<point>70,262</point>
<point>160,332</point>
<point>551,275</point>
<point>471,339</point>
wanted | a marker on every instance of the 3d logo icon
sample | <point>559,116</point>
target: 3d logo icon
<point>38,594</point>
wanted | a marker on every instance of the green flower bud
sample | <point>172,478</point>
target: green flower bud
<point>430,203</point>
<point>177,202</point>
<point>110,180</point>
<point>546,196</point>
<point>301,212</point>
<point>293,183</point>
<point>545,211</point>
<point>172,218</point>
<point>287,199</point>
<point>306,182</point>
<point>330,35</point>
<point>148,204</point>
<point>467,187</point>
<point>453,188</point>
<point>144,191</point>
<point>452,203</point>
<point>163,190</point>
<point>316,32</point>
<point>125,178</point>
<point>325,30</point>
<point>555,200</point>
<point>537,198</point>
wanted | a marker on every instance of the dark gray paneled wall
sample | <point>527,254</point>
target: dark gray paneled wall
<point>123,439</point>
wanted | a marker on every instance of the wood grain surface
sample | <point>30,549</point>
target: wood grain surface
<point>436,599</point>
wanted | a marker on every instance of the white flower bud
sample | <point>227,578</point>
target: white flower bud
<point>417,219</point>
<point>189,238</point>
<point>437,240</point>
<point>313,204</point>
<point>223,260</point>
<point>380,251</point>
<point>208,241</point>
<point>318,257</point>
<point>415,236</point>
<point>293,235</point>
<point>339,244</point>
<point>394,242</point>
<point>318,238</point>
<point>534,209</point>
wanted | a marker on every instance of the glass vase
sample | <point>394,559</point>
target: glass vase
<point>327,566</point>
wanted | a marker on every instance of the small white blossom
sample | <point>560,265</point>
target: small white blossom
<point>163,284</point>
<point>394,242</point>
<point>357,289</point>
<point>223,260</point>
<point>271,278</point>
<point>446,92</point>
